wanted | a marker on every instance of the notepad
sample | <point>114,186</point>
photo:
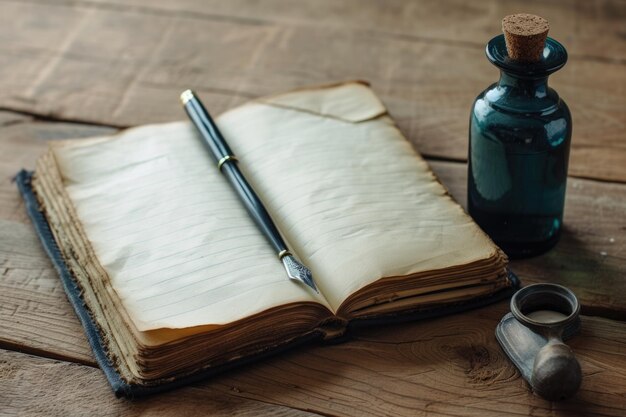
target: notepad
<point>178,279</point>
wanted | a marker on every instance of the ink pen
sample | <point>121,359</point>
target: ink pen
<point>227,164</point>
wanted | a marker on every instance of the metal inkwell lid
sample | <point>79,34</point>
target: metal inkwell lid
<point>542,316</point>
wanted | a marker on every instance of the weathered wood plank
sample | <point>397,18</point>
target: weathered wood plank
<point>449,366</point>
<point>35,315</point>
<point>125,65</point>
<point>22,141</point>
<point>591,256</point>
<point>39,386</point>
<point>591,29</point>
<point>31,294</point>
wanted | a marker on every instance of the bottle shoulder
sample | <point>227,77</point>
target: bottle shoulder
<point>505,99</point>
<point>527,126</point>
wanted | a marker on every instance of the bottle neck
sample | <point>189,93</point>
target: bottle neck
<point>536,87</point>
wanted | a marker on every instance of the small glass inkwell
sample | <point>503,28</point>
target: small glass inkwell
<point>519,141</point>
<point>532,334</point>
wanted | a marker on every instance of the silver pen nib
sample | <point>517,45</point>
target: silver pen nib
<point>298,272</point>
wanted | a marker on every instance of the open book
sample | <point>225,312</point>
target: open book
<point>176,276</point>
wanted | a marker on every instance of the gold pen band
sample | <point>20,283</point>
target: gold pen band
<point>283,253</point>
<point>224,160</point>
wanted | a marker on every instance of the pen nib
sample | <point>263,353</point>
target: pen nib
<point>297,271</point>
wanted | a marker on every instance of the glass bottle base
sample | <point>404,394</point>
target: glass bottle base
<point>519,250</point>
<point>519,235</point>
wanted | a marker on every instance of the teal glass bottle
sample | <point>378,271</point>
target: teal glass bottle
<point>519,141</point>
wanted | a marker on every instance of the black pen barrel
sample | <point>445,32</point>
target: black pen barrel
<point>227,163</point>
<point>211,135</point>
<point>254,206</point>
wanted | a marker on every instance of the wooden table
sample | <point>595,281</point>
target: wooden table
<point>89,67</point>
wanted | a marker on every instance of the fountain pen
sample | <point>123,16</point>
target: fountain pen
<point>227,164</point>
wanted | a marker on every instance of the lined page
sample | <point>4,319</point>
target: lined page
<point>352,198</point>
<point>177,244</point>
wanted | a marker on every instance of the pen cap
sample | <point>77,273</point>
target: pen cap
<point>206,126</point>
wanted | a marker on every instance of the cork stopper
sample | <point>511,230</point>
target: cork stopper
<point>525,36</point>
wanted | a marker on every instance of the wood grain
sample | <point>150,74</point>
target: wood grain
<point>449,366</point>
<point>38,386</point>
<point>125,65</point>
<point>598,35</point>
<point>35,315</point>
<point>123,62</point>
<point>22,141</point>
